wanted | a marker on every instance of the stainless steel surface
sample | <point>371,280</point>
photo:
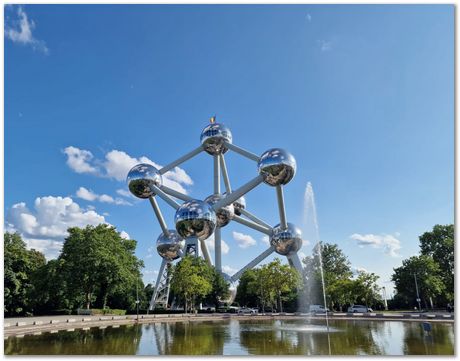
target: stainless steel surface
<point>243,152</point>
<point>170,247</point>
<point>287,241</point>
<point>253,225</point>
<point>215,137</point>
<point>223,167</point>
<point>160,218</point>
<point>218,249</point>
<point>216,175</point>
<point>195,219</point>
<point>165,197</point>
<point>295,262</point>
<point>223,215</point>
<point>281,208</point>
<point>204,250</point>
<point>176,194</point>
<point>253,263</point>
<point>232,197</point>
<point>140,179</point>
<point>277,166</point>
<point>181,160</point>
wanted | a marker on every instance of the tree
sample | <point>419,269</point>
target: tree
<point>191,280</point>
<point>282,280</point>
<point>245,294</point>
<point>429,280</point>
<point>19,266</point>
<point>365,289</point>
<point>439,245</point>
<point>220,288</point>
<point>97,262</point>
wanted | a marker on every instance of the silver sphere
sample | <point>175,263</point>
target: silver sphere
<point>232,289</point>
<point>170,247</point>
<point>288,241</point>
<point>277,166</point>
<point>141,177</point>
<point>195,219</point>
<point>239,204</point>
<point>213,137</point>
<point>223,215</point>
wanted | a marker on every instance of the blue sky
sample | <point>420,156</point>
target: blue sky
<point>362,96</point>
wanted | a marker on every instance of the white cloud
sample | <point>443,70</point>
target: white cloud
<point>244,240</point>
<point>357,270</point>
<point>210,243</point>
<point>265,240</point>
<point>117,165</point>
<point>124,235</point>
<point>89,195</point>
<point>79,160</point>
<point>45,227</point>
<point>19,30</point>
<point>325,45</point>
<point>390,244</point>
<point>125,193</point>
<point>308,17</point>
<point>229,270</point>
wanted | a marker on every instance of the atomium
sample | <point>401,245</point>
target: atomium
<point>140,179</point>
<point>197,220</point>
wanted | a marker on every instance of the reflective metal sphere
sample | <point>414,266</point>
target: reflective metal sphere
<point>213,137</point>
<point>232,288</point>
<point>195,219</point>
<point>172,247</point>
<point>223,215</point>
<point>286,242</point>
<point>277,166</point>
<point>240,203</point>
<point>141,177</point>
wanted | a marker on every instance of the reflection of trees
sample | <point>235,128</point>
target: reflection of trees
<point>109,341</point>
<point>440,341</point>
<point>196,338</point>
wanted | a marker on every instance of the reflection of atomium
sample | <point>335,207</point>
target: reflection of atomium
<point>196,220</point>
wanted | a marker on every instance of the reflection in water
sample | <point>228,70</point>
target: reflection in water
<point>253,337</point>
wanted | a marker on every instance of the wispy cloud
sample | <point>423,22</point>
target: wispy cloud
<point>19,30</point>
<point>390,244</point>
<point>244,240</point>
<point>308,17</point>
<point>325,45</point>
<point>229,270</point>
<point>117,164</point>
<point>89,195</point>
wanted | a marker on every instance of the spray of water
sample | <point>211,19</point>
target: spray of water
<point>310,214</point>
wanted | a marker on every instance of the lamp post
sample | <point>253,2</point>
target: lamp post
<point>418,296</point>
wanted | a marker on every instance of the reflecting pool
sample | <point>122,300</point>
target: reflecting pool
<point>238,337</point>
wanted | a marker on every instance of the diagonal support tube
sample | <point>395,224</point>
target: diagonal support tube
<point>242,152</point>
<point>253,263</point>
<point>205,251</point>
<point>254,218</point>
<point>281,209</point>
<point>160,218</point>
<point>295,262</point>
<point>252,225</point>
<point>223,167</point>
<point>176,194</point>
<point>182,159</point>
<point>232,197</point>
<point>165,197</point>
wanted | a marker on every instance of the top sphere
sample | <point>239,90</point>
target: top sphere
<point>140,179</point>
<point>213,137</point>
<point>277,166</point>
<point>195,219</point>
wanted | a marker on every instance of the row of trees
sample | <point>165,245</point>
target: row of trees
<point>433,269</point>
<point>96,268</point>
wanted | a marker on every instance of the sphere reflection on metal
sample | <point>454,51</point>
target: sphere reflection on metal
<point>277,166</point>
<point>170,247</point>
<point>225,214</point>
<point>239,204</point>
<point>195,218</point>
<point>232,290</point>
<point>213,138</point>
<point>288,241</point>
<point>141,177</point>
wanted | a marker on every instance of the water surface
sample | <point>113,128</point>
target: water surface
<point>238,337</point>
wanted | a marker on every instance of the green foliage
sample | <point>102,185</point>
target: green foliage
<point>191,280</point>
<point>220,288</point>
<point>246,294</point>
<point>19,267</point>
<point>107,311</point>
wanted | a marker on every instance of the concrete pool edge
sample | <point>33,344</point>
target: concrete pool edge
<point>73,323</point>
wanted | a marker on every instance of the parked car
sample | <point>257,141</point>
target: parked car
<point>318,308</point>
<point>359,309</point>
<point>247,310</point>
